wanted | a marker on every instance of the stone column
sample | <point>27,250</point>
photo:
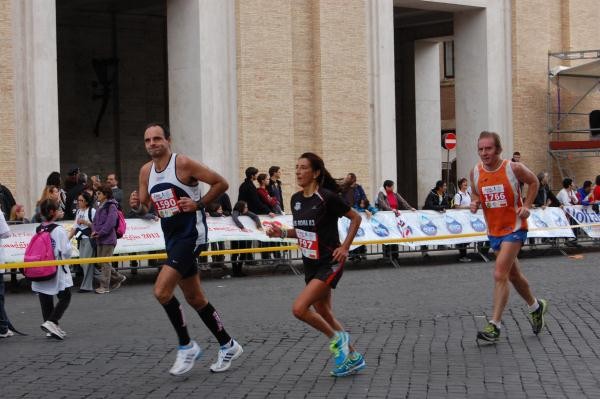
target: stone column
<point>482,62</point>
<point>203,84</point>
<point>36,96</point>
<point>8,156</point>
<point>342,89</point>
<point>428,116</point>
<point>382,92</point>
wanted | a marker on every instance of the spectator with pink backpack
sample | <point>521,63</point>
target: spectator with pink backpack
<point>108,225</point>
<point>50,242</point>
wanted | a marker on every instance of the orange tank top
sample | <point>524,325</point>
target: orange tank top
<point>500,197</point>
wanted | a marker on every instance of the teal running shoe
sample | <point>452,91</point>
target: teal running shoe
<point>338,347</point>
<point>353,364</point>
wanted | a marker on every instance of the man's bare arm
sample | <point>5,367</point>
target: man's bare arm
<point>475,202</point>
<point>200,172</point>
<point>140,200</point>
<point>526,176</point>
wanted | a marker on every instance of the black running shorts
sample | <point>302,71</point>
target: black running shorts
<point>328,271</point>
<point>182,255</point>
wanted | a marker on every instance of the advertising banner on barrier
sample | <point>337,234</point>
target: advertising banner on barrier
<point>224,229</point>
<point>146,235</point>
<point>547,223</point>
<point>385,225</point>
<point>585,215</point>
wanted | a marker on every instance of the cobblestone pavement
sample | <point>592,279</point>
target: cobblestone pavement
<point>415,325</point>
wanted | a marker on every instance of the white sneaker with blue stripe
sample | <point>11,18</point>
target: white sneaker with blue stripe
<point>186,357</point>
<point>227,353</point>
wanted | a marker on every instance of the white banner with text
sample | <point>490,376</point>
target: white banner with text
<point>146,235</point>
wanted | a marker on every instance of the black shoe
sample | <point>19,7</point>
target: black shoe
<point>240,274</point>
<point>82,291</point>
<point>490,333</point>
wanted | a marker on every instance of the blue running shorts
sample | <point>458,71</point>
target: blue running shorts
<point>515,236</point>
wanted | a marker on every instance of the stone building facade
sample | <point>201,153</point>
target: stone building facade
<point>256,83</point>
<point>8,176</point>
<point>539,27</point>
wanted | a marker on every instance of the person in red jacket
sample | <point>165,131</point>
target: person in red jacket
<point>596,192</point>
<point>263,183</point>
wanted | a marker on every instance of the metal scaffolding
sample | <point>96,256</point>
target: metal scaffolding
<point>581,81</point>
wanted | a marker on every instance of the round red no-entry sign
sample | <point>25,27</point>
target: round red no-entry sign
<point>449,141</point>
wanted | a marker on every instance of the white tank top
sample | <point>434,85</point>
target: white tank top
<point>165,190</point>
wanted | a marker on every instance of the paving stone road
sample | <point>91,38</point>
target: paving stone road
<point>415,325</point>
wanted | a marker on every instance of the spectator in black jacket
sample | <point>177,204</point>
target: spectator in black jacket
<point>274,186</point>
<point>437,200</point>
<point>241,209</point>
<point>275,191</point>
<point>545,197</point>
<point>225,203</point>
<point>73,194</point>
<point>215,210</point>
<point>7,201</point>
<point>249,194</point>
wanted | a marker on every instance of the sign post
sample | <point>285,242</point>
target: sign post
<point>448,142</point>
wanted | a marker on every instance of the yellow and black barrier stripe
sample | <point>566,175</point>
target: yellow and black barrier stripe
<point>291,247</point>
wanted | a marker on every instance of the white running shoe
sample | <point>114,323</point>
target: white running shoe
<point>53,329</point>
<point>186,357</point>
<point>7,334</point>
<point>226,355</point>
<point>63,332</point>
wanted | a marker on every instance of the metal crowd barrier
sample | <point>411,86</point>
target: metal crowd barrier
<point>291,253</point>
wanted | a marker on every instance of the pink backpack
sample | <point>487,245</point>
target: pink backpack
<point>40,248</point>
<point>121,224</point>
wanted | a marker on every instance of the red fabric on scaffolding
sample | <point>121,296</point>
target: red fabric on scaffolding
<point>575,145</point>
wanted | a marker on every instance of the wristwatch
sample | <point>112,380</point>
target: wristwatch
<point>199,205</point>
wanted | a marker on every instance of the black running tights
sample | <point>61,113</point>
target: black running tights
<point>51,312</point>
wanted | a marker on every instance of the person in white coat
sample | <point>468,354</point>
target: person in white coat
<point>60,285</point>
<point>82,230</point>
<point>5,330</point>
<point>462,200</point>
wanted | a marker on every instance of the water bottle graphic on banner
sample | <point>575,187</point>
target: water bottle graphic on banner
<point>379,228</point>
<point>538,221</point>
<point>453,226</point>
<point>559,220</point>
<point>346,226</point>
<point>403,227</point>
<point>427,226</point>
<point>477,224</point>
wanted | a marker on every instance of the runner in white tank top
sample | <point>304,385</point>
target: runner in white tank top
<point>170,182</point>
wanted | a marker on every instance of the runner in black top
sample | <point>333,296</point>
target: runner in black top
<point>316,210</point>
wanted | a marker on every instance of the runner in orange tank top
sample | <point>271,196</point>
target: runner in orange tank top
<point>496,189</point>
<point>500,198</point>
